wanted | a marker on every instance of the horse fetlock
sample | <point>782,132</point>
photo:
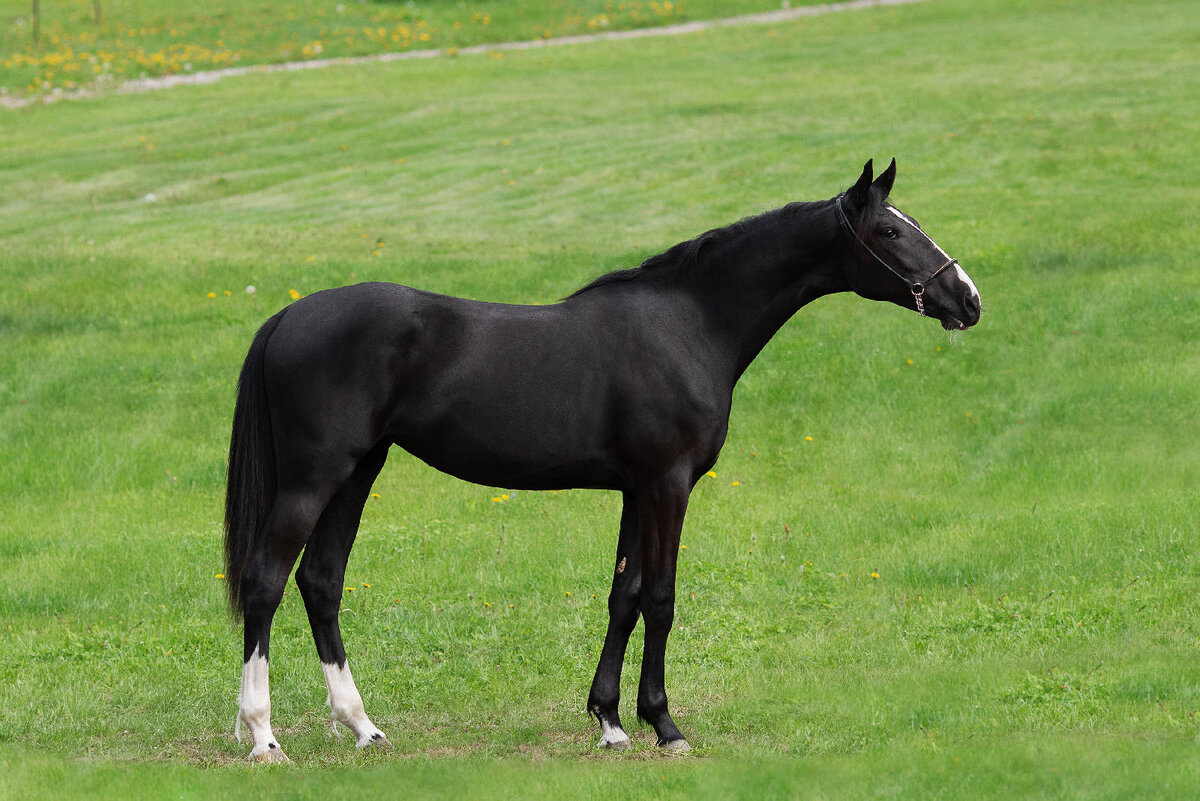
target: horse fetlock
<point>354,717</point>
<point>255,714</point>
<point>349,714</point>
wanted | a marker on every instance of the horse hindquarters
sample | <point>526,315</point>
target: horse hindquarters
<point>249,503</point>
<point>294,469</point>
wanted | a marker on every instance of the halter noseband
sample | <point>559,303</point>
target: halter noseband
<point>916,287</point>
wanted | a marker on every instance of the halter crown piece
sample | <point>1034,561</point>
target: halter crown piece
<point>916,287</point>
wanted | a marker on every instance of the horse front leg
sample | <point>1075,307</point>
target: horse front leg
<point>660,515</point>
<point>623,603</point>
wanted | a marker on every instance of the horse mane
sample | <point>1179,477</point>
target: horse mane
<point>684,256</point>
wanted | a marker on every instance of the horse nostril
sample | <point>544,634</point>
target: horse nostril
<point>971,304</point>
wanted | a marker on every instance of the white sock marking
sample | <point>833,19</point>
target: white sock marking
<point>346,706</point>
<point>611,736</point>
<point>254,705</point>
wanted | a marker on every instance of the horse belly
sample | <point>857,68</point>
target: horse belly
<point>514,435</point>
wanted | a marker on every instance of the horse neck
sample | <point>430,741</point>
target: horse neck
<point>753,284</point>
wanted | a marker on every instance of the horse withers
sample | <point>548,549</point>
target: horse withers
<point>626,385</point>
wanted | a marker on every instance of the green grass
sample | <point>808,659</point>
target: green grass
<point>1025,492</point>
<point>164,37</point>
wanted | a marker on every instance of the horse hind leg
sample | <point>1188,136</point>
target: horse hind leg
<point>292,517</point>
<point>320,577</point>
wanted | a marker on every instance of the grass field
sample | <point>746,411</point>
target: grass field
<point>131,38</point>
<point>977,579</point>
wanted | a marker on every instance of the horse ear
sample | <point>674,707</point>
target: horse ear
<point>856,196</point>
<point>885,180</point>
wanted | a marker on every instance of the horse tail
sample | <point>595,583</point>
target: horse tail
<point>252,470</point>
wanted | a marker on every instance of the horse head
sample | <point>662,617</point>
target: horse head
<point>891,258</point>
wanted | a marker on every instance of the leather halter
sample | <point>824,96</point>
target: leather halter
<point>916,287</point>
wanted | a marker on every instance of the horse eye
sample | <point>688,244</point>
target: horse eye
<point>891,233</point>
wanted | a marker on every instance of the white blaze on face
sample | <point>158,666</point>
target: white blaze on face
<point>966,279</point>
<point>346,706</point>
<point>254,705</point>
<point>958,271</point>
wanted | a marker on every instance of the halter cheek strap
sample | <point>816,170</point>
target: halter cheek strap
<point>916,287</point>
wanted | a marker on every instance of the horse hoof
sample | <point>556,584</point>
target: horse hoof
<point>676,747</point>
<point>271,755</point>
<point>376,742</point>
<point>614,744</point>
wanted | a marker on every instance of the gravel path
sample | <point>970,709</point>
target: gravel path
<point>139,85</point>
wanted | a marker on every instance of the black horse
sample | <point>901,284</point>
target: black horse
<point>626,385</point>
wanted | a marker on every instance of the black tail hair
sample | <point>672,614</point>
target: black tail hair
<point>252,470</point>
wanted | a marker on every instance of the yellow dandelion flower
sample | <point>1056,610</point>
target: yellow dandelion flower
<point>736,484</point>
<point>908,362</point>
<point>349,589</point>
<point>227,293</point>
<point>376,495</point>
<point>220,575</point>
<point>365,584</point>
<point>711,474</point>
<point>568,592</point>
<point>293,294</point>
<point>487,605</point>
<point>808,439</point>
<point>504,496</point>
<point>497,499</point>
<point>211,295</point>
<point>874,574</point>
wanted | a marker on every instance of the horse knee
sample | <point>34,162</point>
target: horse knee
<point>658,607</point>
<point>623,606</point>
